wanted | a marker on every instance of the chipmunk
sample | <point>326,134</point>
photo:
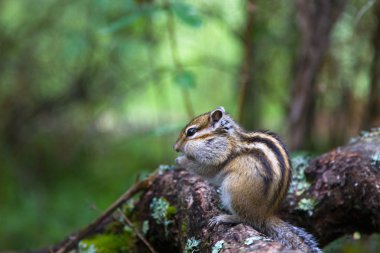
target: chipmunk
<point>252,169</point>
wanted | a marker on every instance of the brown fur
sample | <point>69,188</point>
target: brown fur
<point>252,169</point>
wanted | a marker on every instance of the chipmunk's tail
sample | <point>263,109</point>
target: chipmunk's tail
<point>291,236</point>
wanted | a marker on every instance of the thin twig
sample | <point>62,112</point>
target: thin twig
<point>139,235</point>
<point>138,177</point>
<point>69,243</point>
<point>363,10</point>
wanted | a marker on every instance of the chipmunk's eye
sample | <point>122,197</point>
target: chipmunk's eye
<point>191,131</point>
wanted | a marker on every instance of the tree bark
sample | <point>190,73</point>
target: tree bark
<point>343,189</point>
<point>345,183</point>
<point>196,202</point>
<point>246,82</point>
<point>316,19</point>
<point>344,186</point>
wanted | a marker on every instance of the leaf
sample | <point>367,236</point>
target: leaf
<point>187,13</point>
<point>185,79</point>
<point>131,18</point>
<point>121,23</point>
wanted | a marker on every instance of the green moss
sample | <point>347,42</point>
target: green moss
<point>171,211</point>
<point>106,243</point>
<point>184,227</point>
<point>218,246</point>
<point>191,245</point>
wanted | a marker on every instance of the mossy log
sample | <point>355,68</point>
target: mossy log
<point>342,196</point>
<point>345,184</point>
<point>187,230</point>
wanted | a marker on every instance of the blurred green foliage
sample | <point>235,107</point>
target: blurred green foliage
<point>91,94</point>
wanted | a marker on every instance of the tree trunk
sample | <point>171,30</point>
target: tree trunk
<point>372,118</point>
<point>316,19</point>
<point>247,96</point>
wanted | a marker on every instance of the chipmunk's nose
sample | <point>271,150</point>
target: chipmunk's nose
<point>176,147</point>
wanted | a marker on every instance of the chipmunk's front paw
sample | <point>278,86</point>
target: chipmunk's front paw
<point>223,219</point>
<point>182,161</point>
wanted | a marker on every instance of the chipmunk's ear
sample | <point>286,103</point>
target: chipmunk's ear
<point>217,114</point>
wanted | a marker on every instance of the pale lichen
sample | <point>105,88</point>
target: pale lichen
<point>162,211</point>
<point>375,159</point>
<point>128,209</point>
<point>165,167</point>
<point>145,227</point>
<point>184,227</point>
<point>366,135</point>
<point>191,245</point>
<point>127,229</point>
<point>307,204</point>
<point>159,208</point>
<point>250,240</point>
<point>299,183</point>
<point>218,246</point>
<point>356,235</point>
<point>86,248</point>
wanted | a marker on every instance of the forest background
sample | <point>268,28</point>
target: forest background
<point>93,93</point>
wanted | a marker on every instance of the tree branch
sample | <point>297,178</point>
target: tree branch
<point>341,197</point>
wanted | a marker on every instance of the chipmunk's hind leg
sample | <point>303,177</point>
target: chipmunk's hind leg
<point>224,219</point>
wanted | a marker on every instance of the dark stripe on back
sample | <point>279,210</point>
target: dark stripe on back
<point>270,144</point>
<point>282,187</point>
<point>277,198</point>
<point>281,160</point>
<point>266,165</point>
<point>279,140</point>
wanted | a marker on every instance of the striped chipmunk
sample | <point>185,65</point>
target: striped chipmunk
<point>252,169</point>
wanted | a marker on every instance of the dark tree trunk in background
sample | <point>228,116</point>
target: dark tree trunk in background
<point>372,112</point>
<point>248,100</point>
<point>316,19</point>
